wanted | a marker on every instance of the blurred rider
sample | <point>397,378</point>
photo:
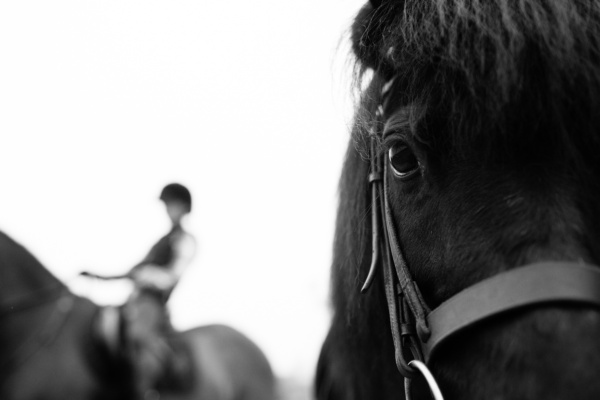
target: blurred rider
<point>164,264</point>
<point>154,278</point>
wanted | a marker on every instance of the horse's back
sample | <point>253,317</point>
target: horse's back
<point>228,366</point>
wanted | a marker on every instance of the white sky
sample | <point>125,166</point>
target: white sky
<point>245,102</point>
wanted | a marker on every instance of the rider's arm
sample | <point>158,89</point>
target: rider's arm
<point>145,261</point>
<point>184,252</point>
<point>166,278</point>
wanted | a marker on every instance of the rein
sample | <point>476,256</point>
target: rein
<point>417,331</point>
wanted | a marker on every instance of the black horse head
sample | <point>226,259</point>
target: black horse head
<point>491,135</point>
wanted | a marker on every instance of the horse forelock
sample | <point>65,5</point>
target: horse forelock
<point>495,76</point>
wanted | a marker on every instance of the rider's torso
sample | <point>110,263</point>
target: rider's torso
<point>162,252</point>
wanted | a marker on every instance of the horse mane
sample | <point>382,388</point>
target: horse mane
<point>23,279</point>
<point>496,76</point>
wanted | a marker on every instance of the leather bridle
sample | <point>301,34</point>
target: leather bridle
<point>417,331</point>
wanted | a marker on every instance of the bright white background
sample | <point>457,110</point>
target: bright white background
<point>245,102</point>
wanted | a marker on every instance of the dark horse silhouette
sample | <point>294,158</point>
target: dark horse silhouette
<point>50,349</point>
<point>485,119</point>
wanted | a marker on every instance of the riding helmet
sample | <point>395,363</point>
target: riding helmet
<point>177,192</point>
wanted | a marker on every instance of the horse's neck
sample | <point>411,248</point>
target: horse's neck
<point>26,331</point>
<point>23,279</point>
<point>20,333</point>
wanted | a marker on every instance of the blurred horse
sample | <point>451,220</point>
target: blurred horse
<point>470,205</point>
<point>52,348</point>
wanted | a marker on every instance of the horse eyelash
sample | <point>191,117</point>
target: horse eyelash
<point>392,138</point>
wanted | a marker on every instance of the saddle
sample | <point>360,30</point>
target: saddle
<point>140,335</point>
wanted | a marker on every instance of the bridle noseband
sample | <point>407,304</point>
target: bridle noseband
<point>417,331</point>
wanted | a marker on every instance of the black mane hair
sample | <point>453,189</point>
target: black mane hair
<point>500,74</point>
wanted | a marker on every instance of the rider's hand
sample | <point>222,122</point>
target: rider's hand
<point>155,277</point>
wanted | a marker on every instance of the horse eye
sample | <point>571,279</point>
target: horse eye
<point>403,160</point>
